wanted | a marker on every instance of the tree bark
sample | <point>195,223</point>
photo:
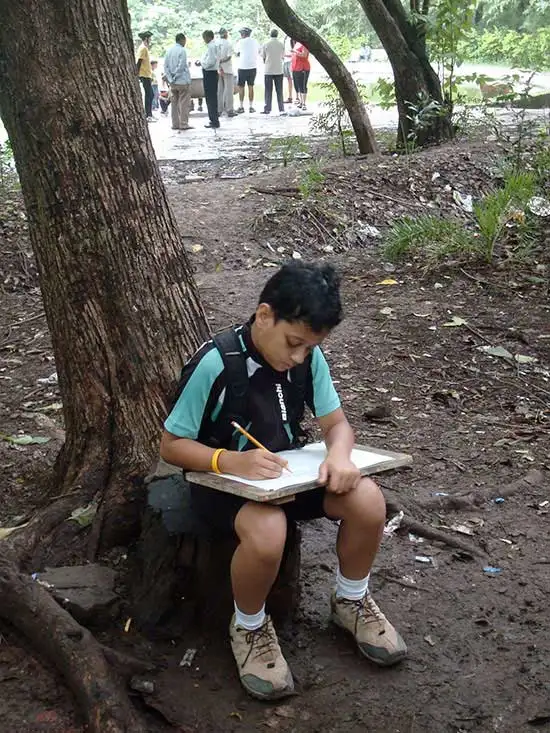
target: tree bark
<point>70,648</point>
<point>282,15</point>
<point>121,304</point>
<point>414,76</point>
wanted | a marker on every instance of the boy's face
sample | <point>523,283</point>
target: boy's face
<point>283,344</point>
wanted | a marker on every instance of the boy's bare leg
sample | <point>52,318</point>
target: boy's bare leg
<point>363,513</point>
<point>263,670</point>
<point>261,530</point>
<point>250,94</point>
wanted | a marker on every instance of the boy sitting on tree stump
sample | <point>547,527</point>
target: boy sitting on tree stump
<point>262,374</point>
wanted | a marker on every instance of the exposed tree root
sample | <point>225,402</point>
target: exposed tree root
<point>70,648</point>
<point>431,533</point>
<point>473,500</point>
<point>394,506</point>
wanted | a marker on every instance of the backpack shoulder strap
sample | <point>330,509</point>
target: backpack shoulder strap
<point>235,400</point>
<point>299,377</point>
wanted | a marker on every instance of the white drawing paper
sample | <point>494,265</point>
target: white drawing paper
<point>304,464</point>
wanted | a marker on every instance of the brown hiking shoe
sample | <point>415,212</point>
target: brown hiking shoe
<point>375,636</point>
<point>262,668</point>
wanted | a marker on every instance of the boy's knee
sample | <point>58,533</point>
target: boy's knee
<point>363,505</point>
<point>263,529</point>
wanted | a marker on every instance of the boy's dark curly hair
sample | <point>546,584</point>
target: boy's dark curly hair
<point>305,292</point>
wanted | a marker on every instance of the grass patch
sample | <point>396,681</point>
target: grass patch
<point>430,236</point>
<point>501,219</point>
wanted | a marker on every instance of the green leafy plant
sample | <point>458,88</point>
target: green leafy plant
<point>502,209</point>
<point>334,120</point>
<point>287,149</point>
<point>447,28</point>
<point>311,179</point>
<point>386,92</point>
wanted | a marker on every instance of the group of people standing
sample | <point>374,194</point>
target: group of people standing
<point>288,59</point>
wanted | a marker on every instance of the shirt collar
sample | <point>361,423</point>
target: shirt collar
<point>252,351</point>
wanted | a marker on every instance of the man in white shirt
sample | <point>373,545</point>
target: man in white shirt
<point>248,51</point>
<point>226,79</point>
<point>210,66</point>
<point>272,54</point>
<point>178,77</point>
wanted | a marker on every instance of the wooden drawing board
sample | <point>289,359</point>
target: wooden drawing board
<point>304,464</point>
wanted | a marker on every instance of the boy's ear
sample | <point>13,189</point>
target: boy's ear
<point>264,315</point>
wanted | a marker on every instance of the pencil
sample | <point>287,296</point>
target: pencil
<point>253,440</point>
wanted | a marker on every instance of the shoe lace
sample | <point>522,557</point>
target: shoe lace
<point>367,612</point>
<point>261,642</point>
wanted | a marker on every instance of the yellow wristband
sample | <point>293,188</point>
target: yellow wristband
<point>215,458</point>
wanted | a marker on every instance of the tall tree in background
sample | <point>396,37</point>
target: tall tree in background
<point>121,304</point>
<point>282,14</point>
<point>416,82</point>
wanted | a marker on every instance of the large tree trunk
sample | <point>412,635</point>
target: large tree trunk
<point>415,79</point>
<point>121,304</point>
<point>283,15</point>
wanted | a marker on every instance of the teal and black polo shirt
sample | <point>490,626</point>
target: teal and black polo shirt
<point>203,386</point>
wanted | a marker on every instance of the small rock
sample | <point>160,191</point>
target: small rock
<point>86,591</point>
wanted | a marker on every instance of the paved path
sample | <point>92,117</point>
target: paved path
<point>245,131</point>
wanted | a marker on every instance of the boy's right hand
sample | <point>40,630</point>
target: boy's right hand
<point>254,464</point>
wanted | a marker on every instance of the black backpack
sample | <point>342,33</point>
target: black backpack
<point>235,405</point>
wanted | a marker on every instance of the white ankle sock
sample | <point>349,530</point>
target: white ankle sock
<point>351,590</point>
<point>249,621</point>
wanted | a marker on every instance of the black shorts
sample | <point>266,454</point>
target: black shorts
<point>218,509</point>
<point>246,76</point>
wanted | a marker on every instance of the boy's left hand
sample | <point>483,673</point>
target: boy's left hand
<point>339,474</point>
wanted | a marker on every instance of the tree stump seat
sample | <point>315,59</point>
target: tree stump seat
<point>182,566</point>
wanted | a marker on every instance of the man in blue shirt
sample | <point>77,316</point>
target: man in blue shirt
<point>286,369</point>
<point>176,71</point>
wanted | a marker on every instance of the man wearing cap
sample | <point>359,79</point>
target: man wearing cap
<point>145,73</point>
<point>248,61</point>
<point>178,76</point>
<point>226,78</point>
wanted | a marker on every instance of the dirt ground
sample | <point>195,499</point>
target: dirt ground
<point>479,648</point>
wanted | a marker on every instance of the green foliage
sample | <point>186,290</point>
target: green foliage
<point>497,216</point>
<point>288,149</point>
<point>386,93</point>
<point>503,207</point>
<point>334,119</point>
<point>447,28</point>
<point>522,50</point>
<point>432,237</point>
<point>311,179</point>
<point>165,18</point>
<point>341,22</point>
<point>8,176</point>
<point>517,15</point>
<point>423,114</point>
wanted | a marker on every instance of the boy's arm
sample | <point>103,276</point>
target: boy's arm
<point>337,471</point>
<point>194,456</point>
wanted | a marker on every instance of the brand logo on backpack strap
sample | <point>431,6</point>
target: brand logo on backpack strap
<point>280,397</point>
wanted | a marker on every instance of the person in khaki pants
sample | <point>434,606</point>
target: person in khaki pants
<point>226,81</point>
<point>176,71</point>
